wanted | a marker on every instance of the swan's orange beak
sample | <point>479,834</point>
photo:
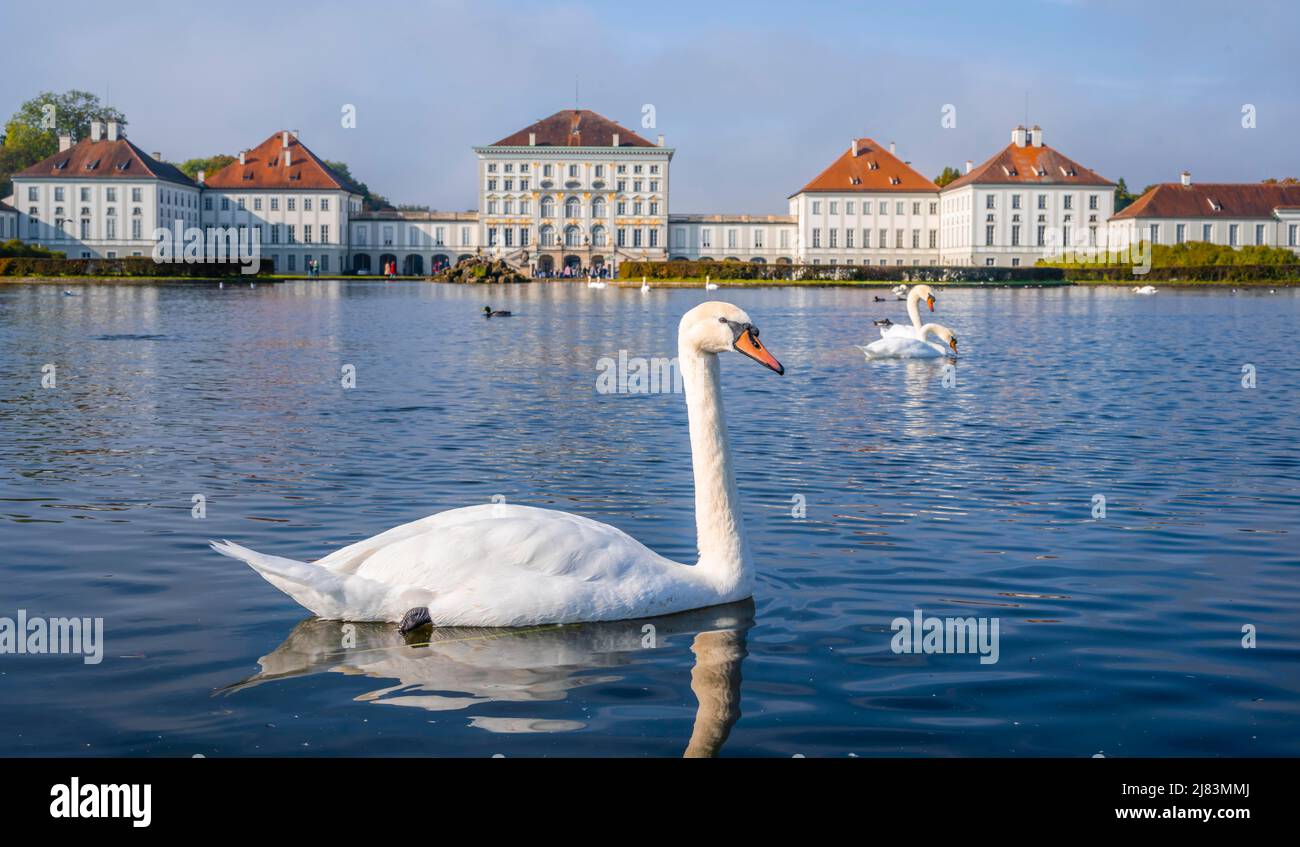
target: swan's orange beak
<point>929,301</point>
<point>749,345</point>
<point>952,342</point>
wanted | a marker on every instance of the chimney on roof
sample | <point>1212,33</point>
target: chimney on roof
<point>112,131</point>
<point>241,157</point>
<point>1187,177</point>
<point>893,148</point>
<point>616,139</point>
<point>661,139</point>
<point>969,166</point>
<point>532,139</point>
<point>65,142</point>
<point>157,156</point>
<point>284,138</point>
<point>1018,136</point>
<point>295,134</point>
<point>1038,136</point>
<point>286,157</point>
<point>96,130</point>
<point>202,177</point>
<point>853,149</point>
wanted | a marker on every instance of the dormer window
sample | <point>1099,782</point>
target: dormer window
<point>121,166</point>
<point>90,166</point>
<point>1214,204</point>
<point>61,165</point>
<point>1068,171</point>
<point>873,166</point>
<point>893,180</point>
<point>1010,171</point>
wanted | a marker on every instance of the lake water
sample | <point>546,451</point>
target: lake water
<point>1120,634</point>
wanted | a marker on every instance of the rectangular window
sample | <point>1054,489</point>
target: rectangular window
<point>654,238</point>
<point>706,238</point>
<point>884,238</point>
<point>916,239</point>
<point>988,201</point>
<point>1042,201</point>
<point>835,240</point>
<point>1015,201</point>
<point>290,236</point>
<point>1092,201</point>
<point>816,207</point>
<point>866,238</point>
<point>817,237</point>
<point>1180,233</point>
<point>1259,233</point>
<point>636,237</point>
<point>1291,236</point>
<point>324,234</point>
<point>835,208</point>
<point>225,204</point>
<point>988,235</point>
<point>275,204</point>
<point>848,239</point>
<point>916,208</point>
<point>324,207</point>
<point>1207,232</point>
<point>1069,201</point>
<point>289,204</point>
<point>1015,235</point>
<point>934,238</point>
<point>306,204</point>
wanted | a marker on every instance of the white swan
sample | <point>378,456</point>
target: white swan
<point>709,286</point>
<point>909,347</point>
<point>596,283</point>
<point>504,565</point>
<point>1146,289</point>
<point>645,286</point>
<point>914,298</point>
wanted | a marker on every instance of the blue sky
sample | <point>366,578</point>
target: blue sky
<point>756,97</point>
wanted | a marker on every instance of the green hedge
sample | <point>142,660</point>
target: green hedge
<point>142,266</point>
<point>862,273</point>
<point>15,249</point>
<point>1199,253</point>
<point>1196,273</point>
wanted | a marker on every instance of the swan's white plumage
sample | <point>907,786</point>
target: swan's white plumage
<point>508,565</point>
<point>898,347</point>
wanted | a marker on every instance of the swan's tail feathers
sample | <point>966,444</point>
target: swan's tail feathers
<point>321,592</point>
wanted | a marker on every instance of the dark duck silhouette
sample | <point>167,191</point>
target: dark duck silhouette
<point>499,313</point>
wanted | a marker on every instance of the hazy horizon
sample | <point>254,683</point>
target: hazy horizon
<point>756,102</point>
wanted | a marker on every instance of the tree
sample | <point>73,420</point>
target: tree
<point>949,174</point>
<point>209,165</point>
<point>1123,197</point>
<point>32,133</point>
<point>1286,180</point>
<point>369,200</point>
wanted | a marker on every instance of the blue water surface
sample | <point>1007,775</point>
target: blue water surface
<point>870,489</point>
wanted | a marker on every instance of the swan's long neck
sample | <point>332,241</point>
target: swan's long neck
<point>914,309</point>
<point>724,554</point>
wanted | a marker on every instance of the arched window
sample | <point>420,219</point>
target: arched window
<point>572,236</point>
<point>598,236</point>
<point>548,236</point>
<point>548,207</point>
<point>598,208</point>
<point>573,208</point>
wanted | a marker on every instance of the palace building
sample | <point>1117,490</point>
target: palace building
<point>1022,205</point>
<point>577,192</point>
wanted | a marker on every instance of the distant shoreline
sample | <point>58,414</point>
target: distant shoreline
<point>658,283</point>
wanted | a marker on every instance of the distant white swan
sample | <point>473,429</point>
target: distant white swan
<point>505,565</point>
<point>596,283</point>
<point>908,347</point>
<point>1146,289</point>
<point>914,298</point>
<point>645,286</point>
<point>710,286</point>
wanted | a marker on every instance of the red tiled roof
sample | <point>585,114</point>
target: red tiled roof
<point>574,128</point>
<point>264,168</point>
<point>873,169</point>
<point>104,159</point>
<point>1029,165</point>
<point>1234,200</point>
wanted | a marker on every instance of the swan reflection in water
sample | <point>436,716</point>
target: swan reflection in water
<point>452,668</point>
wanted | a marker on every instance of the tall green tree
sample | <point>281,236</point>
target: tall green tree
<point>369,200</point>
<point>32,132</point>
<point>1123,197</point>
<point>209,165</point>
<point>949,174</point>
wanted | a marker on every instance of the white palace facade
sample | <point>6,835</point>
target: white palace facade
<point>576,192</point>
